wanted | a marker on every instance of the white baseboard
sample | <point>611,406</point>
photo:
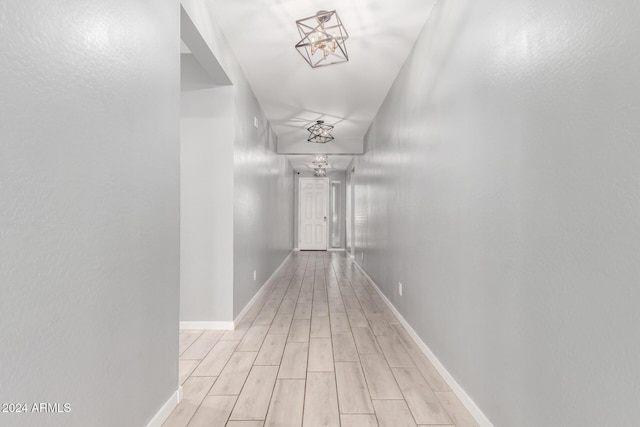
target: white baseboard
<point>230,325</point>
<point>207,326</point>
<point>335,250</point>
<point>468,403</point>
<point>163,413</point>
<point>263,288</point>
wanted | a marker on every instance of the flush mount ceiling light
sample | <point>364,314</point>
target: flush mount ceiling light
<point>320,172</point>
<point>320,132</point>
<point>322,33</point>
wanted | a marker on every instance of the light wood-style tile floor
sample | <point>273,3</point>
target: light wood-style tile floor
<point>319,348</point>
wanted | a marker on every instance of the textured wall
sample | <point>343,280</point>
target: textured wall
<point>206,215</point>
<point>500,185</point>
<point>89,211</point>
<point>262,184</point>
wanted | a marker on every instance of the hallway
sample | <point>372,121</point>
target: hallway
<point>319,347</point>
<point>469,170</point>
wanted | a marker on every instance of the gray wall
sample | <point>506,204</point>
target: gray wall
<point>500,185</point>
<point>89,218</point>
<point>332,176</point>
<point>262,185</point>
<point>206,216</point>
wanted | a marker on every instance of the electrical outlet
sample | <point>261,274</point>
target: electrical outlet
<point>255,122</point>
<point>400,288</point>
<point>254,275</point>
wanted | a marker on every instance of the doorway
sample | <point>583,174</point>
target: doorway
<point>313,197</point>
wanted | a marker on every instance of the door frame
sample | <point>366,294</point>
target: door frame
<point>326,206</point>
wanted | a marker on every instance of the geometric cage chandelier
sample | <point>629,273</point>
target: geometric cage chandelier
<point>322,38</point>
<point>320,132</point>
<point>320,162</point>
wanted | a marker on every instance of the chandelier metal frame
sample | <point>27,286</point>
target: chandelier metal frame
<point>320,132</point>
<point>322,32</point>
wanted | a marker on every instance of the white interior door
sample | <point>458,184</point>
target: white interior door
<point>312,223</point>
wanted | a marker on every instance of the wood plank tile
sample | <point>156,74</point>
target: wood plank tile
<point>393,413</point>
<point>422,401</point>
<point>333,292</point>
<point>336,306</point>
<point>299,331</point>
<point>382,383</point>
<point>320,355</point>
<point>254,399</point>
<point>365,341</point>
<point>286,405</point>
<point>185,368</point>
<point>353,394</point>
<point>357,319</point>
<point>212,365</point>
<point>288,306</point>
<point>303,311</point>
<point>291,295</point>
<point>456,410</point>
<point>186,338</point>
<point>194,389</point>
<point>245,424</point>
<point>234,374</point>
<point>200,347</point>
<point>265,317</point>
<point>344,348</point>
<point>271,350</point>
<point>237,334</point>
<point>253,339</point>
<point>320,294</point>
<point>379,325</point>
<point>321,401</point>
<point>428,371</point>
<point>358,420</point>
<point>214,411</point>
<point>320,327</point>
<point>351,302</point>
<point>388,314</point>
<point>339,323</point>
<point>305,297</point>
<point>320,308</point>
<point>294,361</point>
<point>394,351</point>
<point>281,323</point>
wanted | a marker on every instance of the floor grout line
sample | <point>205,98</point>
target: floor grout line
<point>316,275</point>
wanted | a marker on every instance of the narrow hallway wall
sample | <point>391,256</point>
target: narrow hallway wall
<point>262,180</point>
<point>206,220</point>
<point>500,186</point>
<point>89,210</point>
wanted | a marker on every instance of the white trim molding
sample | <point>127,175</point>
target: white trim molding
<point>468,403</point>
<point>231,325</point>
<point>335,250</point>
<point>264,287</point>
<point>165,410</point>
<point>208,326</point>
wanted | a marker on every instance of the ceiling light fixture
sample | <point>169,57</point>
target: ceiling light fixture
<point>322,32</point>
<point>320,172</point>
<point>321,161</point>
<point>320,132</point>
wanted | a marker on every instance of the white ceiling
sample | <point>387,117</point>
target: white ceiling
<point>262,35</point>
